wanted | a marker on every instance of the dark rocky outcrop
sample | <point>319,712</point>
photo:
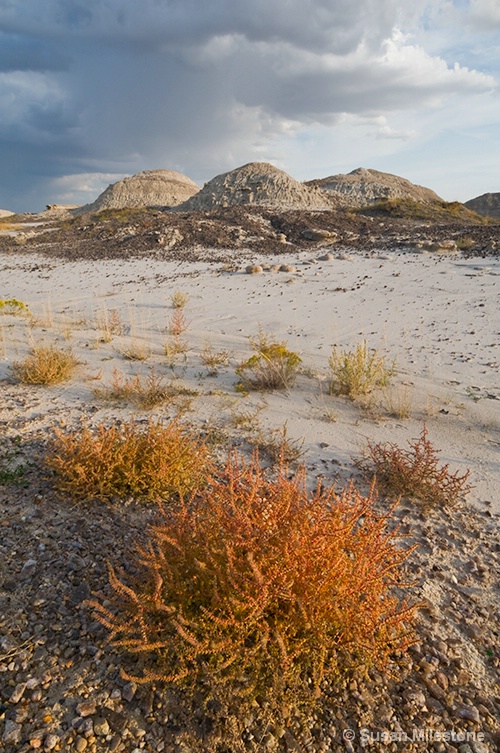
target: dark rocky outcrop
<point>488,205</point>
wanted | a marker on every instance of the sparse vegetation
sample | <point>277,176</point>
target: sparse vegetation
<point>109,323</point>
<point>414,473</point>
<point>13,306</point>
<point>279,446</point>
<point>179,299</point>
<point>272,367</point>
<point>254,592</point>
<point>135,350</point>
<point>46,365</point>
<point>213,358</point>
<point>358,372</point>
<point>126,459</point>
<point>144,392</point>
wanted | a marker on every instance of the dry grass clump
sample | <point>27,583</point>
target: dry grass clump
<point>414,473</point>
<point>213,358</point>
<point>254,592</point>
<point>358,372</point>
<point>109,322</point>
<point>179,299</point>
<point>279,446</point>
<point>46,365</point>
<point>123,460</point>
<point>272,367</point>
<point>144,392</point>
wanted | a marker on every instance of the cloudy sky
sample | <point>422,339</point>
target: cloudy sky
<point>93,90</point>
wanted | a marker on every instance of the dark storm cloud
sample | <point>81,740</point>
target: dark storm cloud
<point>120,85</point>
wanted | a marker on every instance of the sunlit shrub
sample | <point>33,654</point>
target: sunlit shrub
<point>272,367</point>
<point>123,460</point>
<point>255,590</point>
<point>46,365</point>
<point>358,372</point>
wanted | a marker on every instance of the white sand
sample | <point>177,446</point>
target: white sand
<point>438,316</point>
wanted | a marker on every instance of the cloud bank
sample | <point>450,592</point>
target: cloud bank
<point>111,87</point>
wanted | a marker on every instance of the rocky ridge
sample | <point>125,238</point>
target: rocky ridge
<point>258,184</point>
<point>488,205</point>
<point>362,187</point>
<point>151,188</point>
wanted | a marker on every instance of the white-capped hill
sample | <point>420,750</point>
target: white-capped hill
<point>151,188</point>
<point>259,184</point>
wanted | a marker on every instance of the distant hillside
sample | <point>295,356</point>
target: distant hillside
<point>151,188</point>
<point>363,187</point>
<point>258,184</point>
<point>487,205</point>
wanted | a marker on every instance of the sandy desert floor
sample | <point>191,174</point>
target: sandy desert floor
<point>436,315</point>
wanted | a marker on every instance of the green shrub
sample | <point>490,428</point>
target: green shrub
<point>272,367</point>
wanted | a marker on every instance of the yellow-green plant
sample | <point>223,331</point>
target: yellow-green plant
<point>46,365</point>
<point>254,588</point>
<point>358,372</point>
<point>179,299</point>
<point>272,367</point>
<point>123,460</point>
<point>13,306</point>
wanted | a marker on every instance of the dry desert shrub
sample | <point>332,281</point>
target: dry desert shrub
<point>272,367</point>
<point>279,446</point>
<point>123,460</point>
<point>109,323</point>
<point>358,372</point>
<point>144,392</point>
<point>178,323</point>
<point>414,473</point>
<point>46,365</point>
<point>179,299</point>
<point>213,358</point>
<point>253,592</point>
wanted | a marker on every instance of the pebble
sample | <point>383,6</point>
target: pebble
<point>86,708</point>
<point>101,726</point>
<point>18,693</point>
<point>129,691</point>
<point>50,742</point>
<point>80,743</point>
<point>12,732</point>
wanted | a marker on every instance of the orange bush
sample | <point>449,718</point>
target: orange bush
<point>415,472</point>
<point>254,588</point>
<point>128,460</point>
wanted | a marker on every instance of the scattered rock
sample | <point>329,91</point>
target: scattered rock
<point>254,269</point>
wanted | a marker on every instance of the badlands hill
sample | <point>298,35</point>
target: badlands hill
<point>363,187</point>
<point>151,188</point>
<point>488,205</point>
<point>258,184</point>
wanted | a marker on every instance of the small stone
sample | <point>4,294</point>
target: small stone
<point>17,693</point>
<point>36,738</point>
<point>12,732</point>
<point>129,691</point>
<point>287,268</point>
<point>254,269</point>
<point>101,726</point>
<point>80,744</point>
<point>50,742</point>
<point>86,708</point>
<point>468,712</point>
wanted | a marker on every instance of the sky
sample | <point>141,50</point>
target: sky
<point>94,90</point>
